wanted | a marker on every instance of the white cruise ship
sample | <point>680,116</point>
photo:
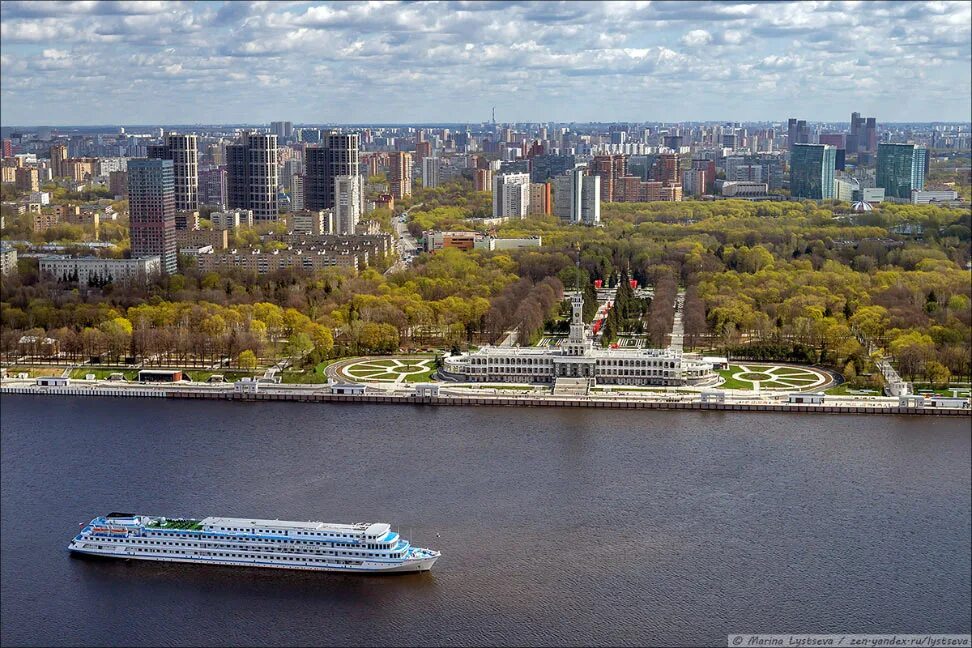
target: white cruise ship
<point>359,547</point>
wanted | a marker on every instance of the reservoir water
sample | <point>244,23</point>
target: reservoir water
<point>557,527</point>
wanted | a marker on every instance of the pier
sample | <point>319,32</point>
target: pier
<point>659,401</point>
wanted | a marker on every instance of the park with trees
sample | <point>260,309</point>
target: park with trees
<point>786,281</point>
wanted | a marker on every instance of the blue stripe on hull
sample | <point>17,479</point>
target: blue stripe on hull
<point>401,569</point>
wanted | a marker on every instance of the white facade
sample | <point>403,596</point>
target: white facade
<point>928,197</point>
<point>431,170</point>
<point>348,193</point>
<point>297,192</point>
<point>577,196</point>
<point>360,547</point>
<point>86,270</point>
<point>493,243</point>
<point>109,164</point>
<point>744,189</point>
<point>511,195</point>
<point>576,357</point>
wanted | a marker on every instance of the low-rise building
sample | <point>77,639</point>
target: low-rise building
<point>265,262</point>
<point>495,243</point>
<point>8,259</point>
<point>744,189</point>
<point>934,197</point>
<point>41,222</point>
<point>95,270</point>
<point>316,222</point>
<point>576,358</point>
<point>231,219</point>
<point>219,239</point>
<point>459,240</point>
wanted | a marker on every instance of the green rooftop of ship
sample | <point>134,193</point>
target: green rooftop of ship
<point>185,525</point>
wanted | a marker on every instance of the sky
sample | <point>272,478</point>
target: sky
<point>93,63</point>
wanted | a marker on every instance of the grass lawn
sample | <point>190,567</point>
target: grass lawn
<point>775,385</point>
<point>379,363</point>
<point>303,377</point>
<point>35,372</point>
<point>753,375</point>
<point>732,383</point>
<point>424,376</point>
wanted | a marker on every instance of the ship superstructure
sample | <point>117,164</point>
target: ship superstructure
<point>360,547</point>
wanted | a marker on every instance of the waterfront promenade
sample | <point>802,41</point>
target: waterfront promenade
<point>492,396</point>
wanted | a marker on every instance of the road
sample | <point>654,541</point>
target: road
<point>407,245</point>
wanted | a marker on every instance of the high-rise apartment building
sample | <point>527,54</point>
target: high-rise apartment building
<point>251,175</point>
<point>213,187</point>
<point>511,195</point>
<point>118,183</point>
<point>400,180</point>
<point>541,202</point>
<point>577,197</point>
<point>797,132</point>
<point>431,171</point>
<point>694,182</point>
<point>282,129</point>
<point>337,155</point>
<point>609,168</point>
<point>483,180</point>
<point>812,171</point>
<point>665,169</point>
<point>709,167</point>
<point>348,190</point>
<point>863,134</point>
<point>544,167</point>
<point>7,148</point>
<point>423,149</point>
<point>59,154</point>
<point>297,192</point>
<point>183,150</point>
<point>901,169</point>
<point>27,179</point>
<point>151,207</point>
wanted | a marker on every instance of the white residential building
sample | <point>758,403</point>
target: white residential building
<point>511,195</point>
<point>577,196</point>
<point>89,270</point>
<point>348,195</point>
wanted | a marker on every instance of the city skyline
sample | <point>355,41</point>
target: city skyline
<point>94,63</point>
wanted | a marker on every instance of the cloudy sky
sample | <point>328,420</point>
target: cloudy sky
<point>200,62</point>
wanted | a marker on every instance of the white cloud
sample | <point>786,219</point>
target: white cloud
<point>395,61</point>
<point>697,38</point>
